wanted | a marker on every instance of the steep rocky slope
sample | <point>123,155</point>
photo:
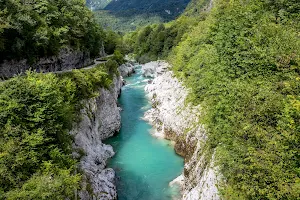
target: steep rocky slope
<point>178,121</point>
<point>67,59</point>
<point>99,119</point>
<point>127,69</point>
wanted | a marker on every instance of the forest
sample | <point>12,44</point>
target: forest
<point>156,41</point>
<point>128,15</point>
<point>32,29</point>
<point>241,60</point>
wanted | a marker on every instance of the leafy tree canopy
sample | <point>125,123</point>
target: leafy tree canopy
<point>36,28</point>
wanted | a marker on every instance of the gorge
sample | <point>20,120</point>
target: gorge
<point>186,100</point>
<point>144,165</point>
<point>139,166</point>
<point>145,162</point>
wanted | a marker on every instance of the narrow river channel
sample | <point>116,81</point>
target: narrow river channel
<point>144,165</point>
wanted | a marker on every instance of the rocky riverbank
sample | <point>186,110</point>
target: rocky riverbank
<point>99,119</point>
<point>126,69</point>
<point>178,121</point>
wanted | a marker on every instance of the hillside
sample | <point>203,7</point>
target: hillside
<point>97,4</point>
<point>37,110</point>
<point>127,15</point>
<point>49,36</point>
<point>156,41</point>
<point>240,60</point>
<point>38,29</point>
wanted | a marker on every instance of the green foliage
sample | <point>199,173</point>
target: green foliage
<point>153,42</point>
<point>36,113</point>
<point>119,57</point>
<point>242,63</point>
<point>51,183</point>
<point>125,22</point>
<point>156,41</point>
<point>38,28</point>
<point>112,41</point>
<point>86,82</point>
<point>128,15</point>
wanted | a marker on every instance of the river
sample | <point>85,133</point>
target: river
<point>144,165</point>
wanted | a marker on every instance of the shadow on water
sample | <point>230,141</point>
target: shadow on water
<point>128,190</point>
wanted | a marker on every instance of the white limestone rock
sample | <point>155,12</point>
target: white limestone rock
<point>180,122</point>
<point>126,69</point>
<point>205,184</point>
<point>152,69</point>
<point>177,181</point>
<point>100,119</point>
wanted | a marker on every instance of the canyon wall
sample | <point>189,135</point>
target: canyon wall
<point>98,120</point>
<point>66,59</point>
<point>127,69</point>
<point>176,120</point>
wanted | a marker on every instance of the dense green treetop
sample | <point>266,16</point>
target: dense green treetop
<point>36,28</point>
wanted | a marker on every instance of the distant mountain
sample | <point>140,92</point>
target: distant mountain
<point>151,6</point>
<point>97,4</point>
<point>126,15</point>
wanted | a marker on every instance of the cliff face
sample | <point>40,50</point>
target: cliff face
<point>126,69</point>
<point>67,59</point>
<point>100,119</point>
<point>177,121</point>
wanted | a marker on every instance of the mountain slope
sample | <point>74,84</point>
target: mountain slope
<point>125,15</point>
<point>97,4</point>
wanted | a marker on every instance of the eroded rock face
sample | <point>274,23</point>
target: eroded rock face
<point>178,121</point>
<point>153,69</point>
<point>126,69</point>
<point>67,59</point>
<point>100,119</point>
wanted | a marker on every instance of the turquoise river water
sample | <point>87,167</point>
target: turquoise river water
<point>144,165</point>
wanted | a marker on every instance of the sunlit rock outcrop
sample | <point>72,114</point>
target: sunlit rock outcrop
<point>126,69</point>
<point>98,120</point>
<point>178,121</point>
